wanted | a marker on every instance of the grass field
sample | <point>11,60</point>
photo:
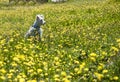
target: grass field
<point>81,42</point>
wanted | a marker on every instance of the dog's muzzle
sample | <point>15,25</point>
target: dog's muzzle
<point>44,22</point>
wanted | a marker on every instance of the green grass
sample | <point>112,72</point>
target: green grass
<point>80,41</point>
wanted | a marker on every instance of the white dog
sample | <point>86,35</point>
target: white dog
<point>36,27</point>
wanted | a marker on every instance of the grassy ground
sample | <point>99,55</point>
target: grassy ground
<point>81,42</point>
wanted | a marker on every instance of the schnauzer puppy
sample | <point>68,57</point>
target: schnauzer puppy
<point>36,29</point>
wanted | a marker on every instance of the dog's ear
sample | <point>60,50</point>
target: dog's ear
<point>37,17</point>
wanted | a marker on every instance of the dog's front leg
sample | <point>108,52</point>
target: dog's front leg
<point>30,32</point>
<point>40,31</point>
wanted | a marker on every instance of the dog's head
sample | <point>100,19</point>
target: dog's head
<point>40,19</point>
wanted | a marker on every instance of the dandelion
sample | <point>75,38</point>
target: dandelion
<point>42,81</point>
<point>93,55</point>
<point>21,80</point>
<point>76,62</point>
<point>104,71</point>
<point>3,70</point>
<point>63,74</point>
<point>16,59</point>
<point>14,64</point>
<point>10,75</point>
<point>86,69</point>
<point>57,63</point>
<point>6,50</point>
<point>115,49</point>
<point>118,40</point>
<point>2,77</point>
<point>99,67</point>
<point>115,78</point>
<point>65,80</point>
<point>56,76</point>
<point>99,76</point>
<point>31,81</point>
<point>39,70</point>
<point>92,59</point>
<point>56,58</point>
<point>76,69</point>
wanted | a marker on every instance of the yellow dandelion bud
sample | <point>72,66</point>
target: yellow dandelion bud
<point>58,70</point>
<point>1,63</point>
<point>42,81</point>
<point>56,58</point>
<point>9,75</point>
<point>21,80</point>
<point>2,77</point>
<point>93,55</point>
<point>115,49</point>
<point>86,69</point>
<point>6,50</point>
<point>3,71</point>
<point>63,73</point>
<point>69,77</point>
<point>99,76</point>
<point>99,68</point>
<point>76,62</point>
<point>56,76</point>
<point>76,69</point>
<point>31,81</point>
<point>44,63</point>
<point>115,78</point>
<point>118,40</point>
<point>57,63</point>
<point>39,70</point>
<point>104,71</point>
<point>66,80</point>
<point>16,59</point>
<point>92,59</point>
<point>14,64</point>
<point>57,79</point>
<point>21,57</point>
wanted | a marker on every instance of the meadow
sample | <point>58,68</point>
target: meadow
<point>81,42</point>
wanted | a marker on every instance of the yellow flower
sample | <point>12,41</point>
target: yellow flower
<point>65,80</point>
<point>42,81</point>
<point>31,81</point>
<point>115,77</point>
<point>92,59</point>
<point>86,69</point>
<point>22,57</point>
<point>2,77</point>
<point>82,65</point>
<point>93,55</point>
<point>39,70</point>
<point>6,50</point>
<point>56,76</point>
<point>56,58</point>
<point>76,69</point>
<point>99,67</point>
<point>57,63</point>
<point>14,64</point>
<point>76,62</point>
<point>104,53</point>
<point>104,71</point>
<point>63,74</point>
<point>3,71</point>
<point>16,59</point>
<point>99,76</point>
<point>115,49</point>
<point>1,63</point>
<point>10,75</point>
<point>118,40</point>
<point>21,80</point>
